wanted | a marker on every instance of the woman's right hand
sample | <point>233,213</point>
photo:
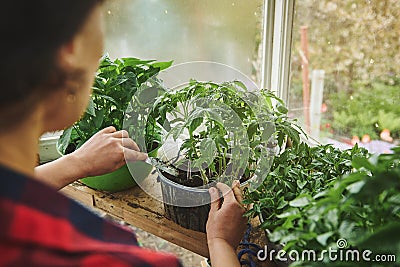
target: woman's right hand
<point>107,151</point>
<point>226,224</point>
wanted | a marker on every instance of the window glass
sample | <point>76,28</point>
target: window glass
<point>350,53</point>
<point>224,31</point>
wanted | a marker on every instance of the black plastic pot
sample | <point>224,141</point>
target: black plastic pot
<point>186,206</point>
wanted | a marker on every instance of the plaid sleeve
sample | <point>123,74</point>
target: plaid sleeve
<point>40,227</point>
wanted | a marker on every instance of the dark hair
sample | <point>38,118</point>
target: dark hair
<point>32,31</point>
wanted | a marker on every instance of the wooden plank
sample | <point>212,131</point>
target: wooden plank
<point>137,208</point>
<point>80,193</point>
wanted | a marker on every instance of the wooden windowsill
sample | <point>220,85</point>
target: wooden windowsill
<point>137,208</point>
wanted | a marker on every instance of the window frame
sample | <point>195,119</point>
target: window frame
<point>277,44</point>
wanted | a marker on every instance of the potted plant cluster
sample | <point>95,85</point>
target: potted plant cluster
<point>116,82</point>
<point>297,174</point>
<point>320,197</point>
<point>226,133</point>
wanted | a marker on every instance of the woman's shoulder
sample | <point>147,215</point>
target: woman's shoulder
<point>31,206</point>
<point>36,214</point>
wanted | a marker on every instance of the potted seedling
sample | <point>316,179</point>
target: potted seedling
<point>116,82</point>
<point>223,132</point>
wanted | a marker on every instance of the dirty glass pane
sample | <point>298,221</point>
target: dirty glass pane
<point>224,31</point>
<point>350,55</point>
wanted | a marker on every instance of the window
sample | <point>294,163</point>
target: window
<point>342,81</point>
<point>348,51</point>
<point>223,31</point>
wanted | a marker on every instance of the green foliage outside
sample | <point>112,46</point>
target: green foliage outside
<point>368,109</point>
<point>357,44</point>
<point>350,40</point>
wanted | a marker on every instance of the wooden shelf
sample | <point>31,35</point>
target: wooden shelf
<point>137,208</point>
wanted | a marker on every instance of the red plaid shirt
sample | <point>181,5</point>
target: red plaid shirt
<point>40,227</point>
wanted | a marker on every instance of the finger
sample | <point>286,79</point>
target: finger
<point>133,155</point>
<point>120,134</point>
<point>129,143</point>
<point>226,192</point>
<point>238,194</point>
<point>215,200</point>
<point>109,129</point>
<point>120,163</point>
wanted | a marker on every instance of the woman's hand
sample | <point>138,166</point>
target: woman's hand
<point>226,225</point>
<point>106,151</point>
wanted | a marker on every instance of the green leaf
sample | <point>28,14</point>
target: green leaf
<point>354,188</point>
<point>362,162</point>
<point>162,65</point>
<point>395,199</point>
<point>133,62</point>
<point>323,238</point>
<point>251,129</point>
<point>385,240</point>
<point>269,130</point>
<point>116,81</point>
<point>98,120</point>
<point>346,229</point>
<point>301,184</point>
<point>109,98</point>
<point>282,109</point>
<point>64,140</point>
<point>300,201</point>
<point>195,123</point>
<point>90,108</point>
<point>147,95</point>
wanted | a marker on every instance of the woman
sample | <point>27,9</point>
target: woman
<point>50,53</point>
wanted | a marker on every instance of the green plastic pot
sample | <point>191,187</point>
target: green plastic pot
<point>120,179</point>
